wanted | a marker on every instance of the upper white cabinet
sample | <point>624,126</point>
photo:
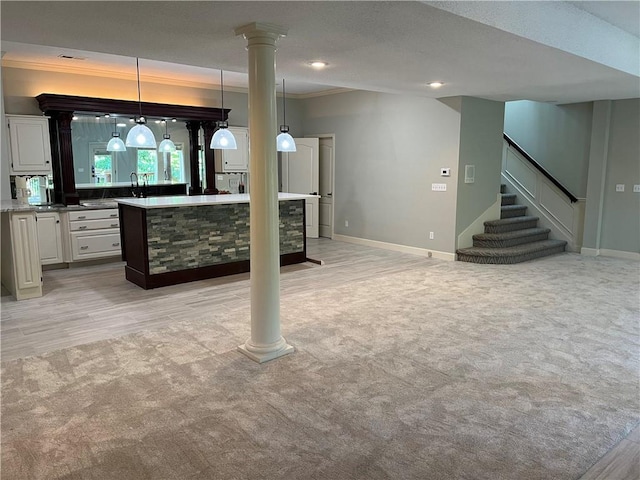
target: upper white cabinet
<point>30,145</point>
<point>236,160</point>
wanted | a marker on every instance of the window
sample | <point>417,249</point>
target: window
<point>103,164</point>
<point>148,164</point>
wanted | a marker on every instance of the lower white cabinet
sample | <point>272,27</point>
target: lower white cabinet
<point>94,234</point>
<point>49,238</point>
<point>21,268</point>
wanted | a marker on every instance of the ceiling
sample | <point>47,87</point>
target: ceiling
<point>559,52</point>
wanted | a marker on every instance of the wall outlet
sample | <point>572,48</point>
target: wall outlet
<point>346,223</point>
<point>636,189</point>
<point>439,187</point>
<point>620,187</point>
<point>430,235</point>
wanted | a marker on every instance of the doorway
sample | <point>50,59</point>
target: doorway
<point>327,183</point>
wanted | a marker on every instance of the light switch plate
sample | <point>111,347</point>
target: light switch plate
<point>469,174</point>
<point>439,187</point>
<point>636,189</point>
<point>620,187</point>
<point>445,172</point>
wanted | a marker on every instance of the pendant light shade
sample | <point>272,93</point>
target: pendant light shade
<point>284,141</point>
<point>140,136</point>
<point>115,144</point>
<point>166,145</point>
<point>223,139</point>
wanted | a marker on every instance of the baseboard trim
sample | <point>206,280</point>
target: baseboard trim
<point>423,252</point>
<point>605,252</point>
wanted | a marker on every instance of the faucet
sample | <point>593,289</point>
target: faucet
<point>134,188</point>
<point>145,182</point>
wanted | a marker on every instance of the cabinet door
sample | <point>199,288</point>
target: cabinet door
<point>237,160</point>
<point>25,252</point>
<point>49,238</point>
<point>30,146</point>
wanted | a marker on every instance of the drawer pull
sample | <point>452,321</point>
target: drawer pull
<point>113,215</point>
<point>114,224</point>
<point>84,247</point>
<point>82,227</point>
<point>82,217</point>
<point>115,244</point>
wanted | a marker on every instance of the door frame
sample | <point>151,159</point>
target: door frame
<point>332,136</point>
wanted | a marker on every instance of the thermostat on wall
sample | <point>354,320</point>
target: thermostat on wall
<point>445,172</point>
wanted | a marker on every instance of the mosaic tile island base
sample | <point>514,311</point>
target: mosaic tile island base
<point>170,240</point>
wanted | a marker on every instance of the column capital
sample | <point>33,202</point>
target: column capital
<point>261,30</point>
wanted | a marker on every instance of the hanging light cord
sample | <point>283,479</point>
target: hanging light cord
<point>284,108</point>
<point>138,72</point>
<point>222,94</point>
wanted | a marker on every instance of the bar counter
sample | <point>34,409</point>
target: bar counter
<point>175,239</point>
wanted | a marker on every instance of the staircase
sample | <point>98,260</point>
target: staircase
<point>514,238</point>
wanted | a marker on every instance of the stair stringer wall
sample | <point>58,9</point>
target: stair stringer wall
<point>465,239</point>
<point>564,219</point>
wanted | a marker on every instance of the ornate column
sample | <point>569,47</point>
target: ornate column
<point>62,153</point>
<point>266,342</point>
<point>193,126</point>
<point>209,160</point>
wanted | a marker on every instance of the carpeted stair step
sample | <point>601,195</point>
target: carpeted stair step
<point>510,255</point>
<point>509,211</point>
<point>508,199</point>
<point>510,239</point>
<point>510,224</point>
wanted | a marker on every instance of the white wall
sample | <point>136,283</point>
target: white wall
<point>388,152</point>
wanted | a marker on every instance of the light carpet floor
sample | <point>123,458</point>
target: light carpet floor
<point>448,370</point>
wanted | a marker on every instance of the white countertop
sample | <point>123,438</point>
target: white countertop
<point>197,200</point>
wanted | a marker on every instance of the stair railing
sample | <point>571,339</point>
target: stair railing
<point>540,168</point>
<point>544,196</point>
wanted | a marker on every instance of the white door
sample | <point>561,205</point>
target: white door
<point>300,174</point>
<point>326,187</point>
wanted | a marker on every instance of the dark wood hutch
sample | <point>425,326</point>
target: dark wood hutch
<point>61,108</point>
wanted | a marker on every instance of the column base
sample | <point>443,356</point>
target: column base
<point>262,355</point>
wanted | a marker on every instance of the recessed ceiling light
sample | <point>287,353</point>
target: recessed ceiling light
<point>318,64</point>
<point>435,84</point>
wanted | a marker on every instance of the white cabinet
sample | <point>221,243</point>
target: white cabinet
<point>21,269</point>
<point>49,238</point>
<point>94,234</point>
<point>235,160</point>
<point>29,144</point>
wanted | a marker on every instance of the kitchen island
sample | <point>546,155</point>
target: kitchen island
<point>176,239</point>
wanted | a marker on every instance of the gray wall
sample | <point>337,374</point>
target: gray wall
<point>480,145</point>
<point>388,151</point>
<point>621,210</point>
<point>5,161</point>
<point>566,130</point>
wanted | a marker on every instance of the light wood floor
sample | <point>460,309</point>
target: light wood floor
<point>87,304</point>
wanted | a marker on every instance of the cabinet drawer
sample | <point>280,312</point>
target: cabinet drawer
<point>87,245</point>
<point>93,214</point>
<point>81,225</point>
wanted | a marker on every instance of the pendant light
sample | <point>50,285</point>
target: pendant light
<point>284,141</point>
<point>223,139</point>
<point>115,144</point>
<point>166,145</point>
<point>140,136</point>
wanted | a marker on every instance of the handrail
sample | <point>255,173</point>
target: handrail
<point>530,159</point>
